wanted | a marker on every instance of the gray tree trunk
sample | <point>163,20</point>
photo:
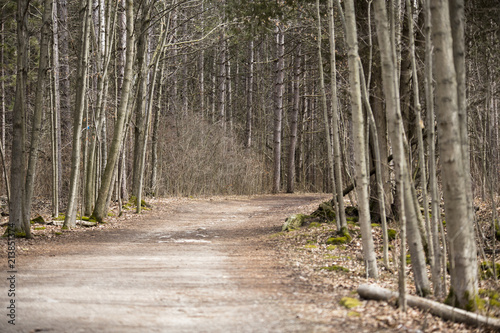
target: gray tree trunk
<point>101,206</point>
<point>463,256</point>
<point>278,105</point>
<point>70,218</point>
<point>17,204</point>
<point>43,68</point>
<point>359,142</point>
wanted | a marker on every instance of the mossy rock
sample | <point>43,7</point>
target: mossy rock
<point>325,211</point>
<point>350,303</point>
<point>38,220</point>
<point>293,222</point>
<point>335,268</point>
<point>391,234</point>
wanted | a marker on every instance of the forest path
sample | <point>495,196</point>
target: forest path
<point>194,266</point>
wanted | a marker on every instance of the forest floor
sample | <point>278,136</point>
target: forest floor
<point>217,264</point>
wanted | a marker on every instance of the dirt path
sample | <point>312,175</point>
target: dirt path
<point>196,266</point>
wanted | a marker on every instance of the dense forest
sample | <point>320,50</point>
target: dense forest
<point>105,102</point>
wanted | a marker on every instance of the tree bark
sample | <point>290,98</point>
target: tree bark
<point>278,107</point>
<point>359,142</point>
<point>101,206</point>
<point>70,218</point>
<point>463,257</point>
<point>17,204</point>
<point>39,104</point>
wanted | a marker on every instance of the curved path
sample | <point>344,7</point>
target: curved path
<point>196,266</point>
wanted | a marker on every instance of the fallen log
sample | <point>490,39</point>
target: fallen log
<point>441,310</point>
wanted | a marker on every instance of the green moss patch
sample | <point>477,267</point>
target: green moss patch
<point>331,247</point>
<point>486,270</point>
<point>391,234</point>
<point>310,246</point>
<point>315,225</point>
<point>350,303</point>
<point>38,220</point>
<point>40,228</point>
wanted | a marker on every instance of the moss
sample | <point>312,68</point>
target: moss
<point>310,246</point>
<point>38,220</point>
<point>391,234</point>
<point>350,303</point>
<point>331,247</point>
<point>325,211</point>
<point>40,228</point>
<point>375,225</point>
<point>89,218</point>
<point>315,225</point>
<point>58,233</point>
<point>353,314</point>
<point>408,259</point>
<point>337,240</point>
<point>492,297</point>
<point>110,214</point>
<point>335,268</point>
<point>65,227</point>
<point>60,217</point>
<point>352,219</point>
<point>133,202</point>
<point>293,222</point>
<point>20,234</point>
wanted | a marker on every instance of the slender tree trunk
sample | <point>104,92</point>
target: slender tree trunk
<point>463,257</point>
<point>408,217</point>
<point>278,107</point>
<point>55,113</point>
<point>359,142</point>
<point>331,174</point>
<point>101,206</point>
<point>437,269</point>
<point>39,104</point>
<point>294,123</point>
<point>17,204</point>
<point>141,105</point>
<point>251,60</point>
<point>335,122</point>
<point>70,219</point>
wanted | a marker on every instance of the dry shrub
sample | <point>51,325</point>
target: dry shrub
<point>199,158</point>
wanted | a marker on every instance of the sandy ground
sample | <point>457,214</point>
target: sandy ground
<point>188,266</point>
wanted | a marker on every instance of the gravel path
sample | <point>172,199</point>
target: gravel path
<point>197,266</point>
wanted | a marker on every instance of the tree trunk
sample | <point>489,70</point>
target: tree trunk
<point>17,204</point>
<point>403,184</point>
<point>359,142</point>
<point>39,104</point>
<point>441,310</point>
<point>337,156</point>
<point>101,206</point>
<point>70,219</point>
<point>278,105</point>
<point>294,123</point>
<point>463,257</point>
<point>251,66</point>
<point>141,105</point>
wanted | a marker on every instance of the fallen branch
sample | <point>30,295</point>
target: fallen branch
<point>441,310</point>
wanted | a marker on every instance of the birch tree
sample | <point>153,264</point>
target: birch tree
<point>463,257</point>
